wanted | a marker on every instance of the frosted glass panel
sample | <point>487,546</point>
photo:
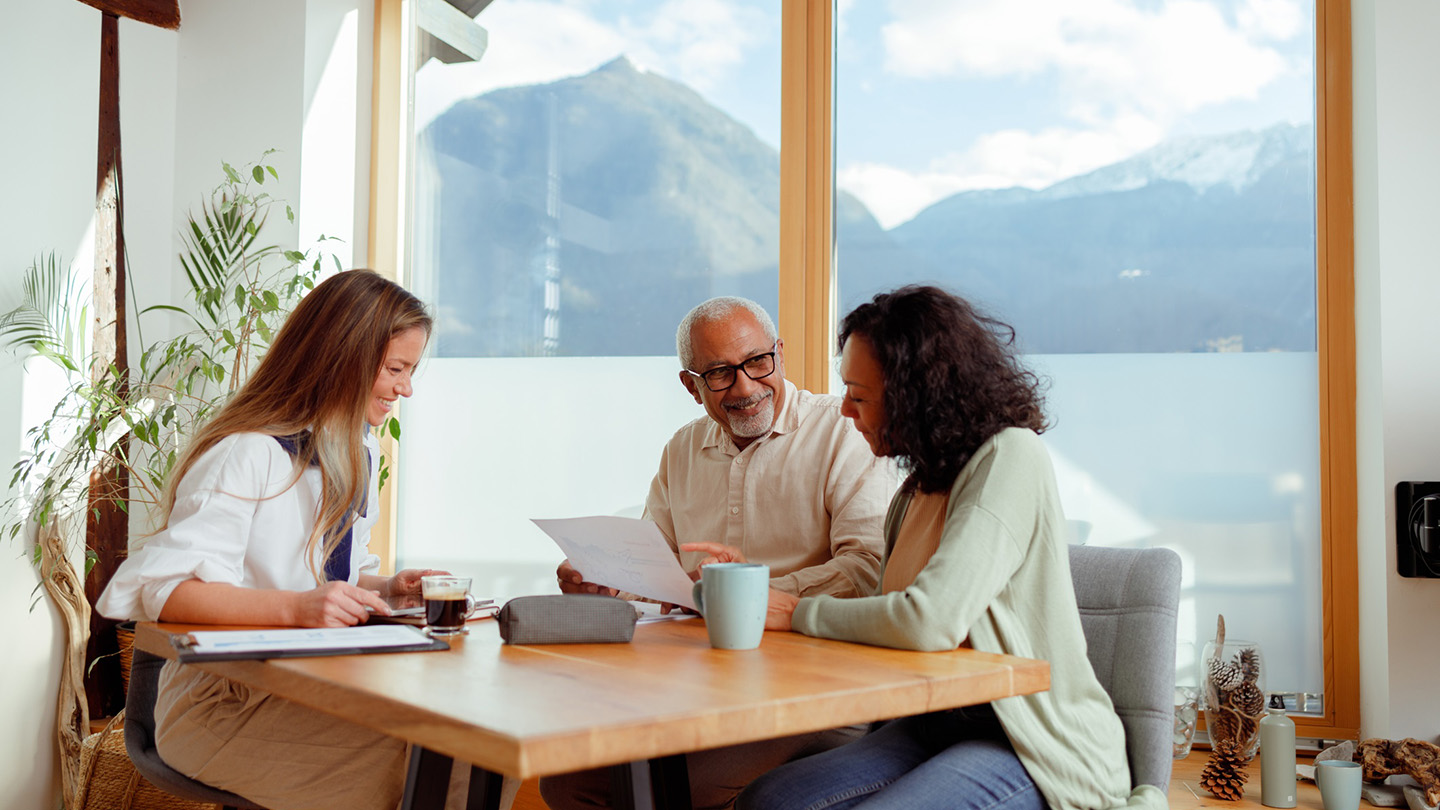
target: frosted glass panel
<point>1159,450</point>
<point>491,443</point>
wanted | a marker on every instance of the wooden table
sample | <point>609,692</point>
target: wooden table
<point>527,711</point>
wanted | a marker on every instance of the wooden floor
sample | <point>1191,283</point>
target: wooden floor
<point>1185,790</point>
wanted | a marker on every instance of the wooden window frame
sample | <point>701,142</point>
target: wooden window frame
<point>807,295</point>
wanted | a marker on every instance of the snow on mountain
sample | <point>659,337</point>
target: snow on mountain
<point>1236,160</point>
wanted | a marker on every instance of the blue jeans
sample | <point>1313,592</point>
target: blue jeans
<point>956,760</point>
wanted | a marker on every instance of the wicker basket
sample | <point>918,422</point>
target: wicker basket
<point>108,780</point>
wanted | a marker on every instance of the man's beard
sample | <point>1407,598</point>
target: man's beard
<point>759,424</point>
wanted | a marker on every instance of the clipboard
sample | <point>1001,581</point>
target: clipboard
<point>300,642</point>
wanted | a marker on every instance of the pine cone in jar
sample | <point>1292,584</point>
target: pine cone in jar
<point>1225,676</point>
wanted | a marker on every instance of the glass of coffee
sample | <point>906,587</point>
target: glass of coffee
<point>447,604</point>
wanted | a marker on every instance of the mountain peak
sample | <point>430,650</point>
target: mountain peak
<point>620,64</point>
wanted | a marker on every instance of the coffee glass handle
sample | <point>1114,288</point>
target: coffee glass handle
<point>698,595</point>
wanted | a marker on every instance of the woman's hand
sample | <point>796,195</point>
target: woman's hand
<point>336,604</point>
<point>780,610</point>
<point>407,582</point>
<point>719,553</point>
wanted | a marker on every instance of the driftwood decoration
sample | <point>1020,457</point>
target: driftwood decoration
<point>67,591</point>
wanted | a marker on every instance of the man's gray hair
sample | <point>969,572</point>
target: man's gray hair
<point>717,309</point>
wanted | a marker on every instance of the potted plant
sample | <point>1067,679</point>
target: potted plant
<point>139,420</point>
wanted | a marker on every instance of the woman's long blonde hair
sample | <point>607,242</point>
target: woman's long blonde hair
<point>318,376</point>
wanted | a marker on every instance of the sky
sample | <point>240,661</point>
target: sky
<point>934,97</point>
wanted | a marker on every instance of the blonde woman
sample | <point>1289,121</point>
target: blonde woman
<point>267,517</point>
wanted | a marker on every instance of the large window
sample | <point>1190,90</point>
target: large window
<point>1154,193</point>
<point>1132,187</point>
<point>598,171</point>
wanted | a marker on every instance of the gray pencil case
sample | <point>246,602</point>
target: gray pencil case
<point>566,619</point>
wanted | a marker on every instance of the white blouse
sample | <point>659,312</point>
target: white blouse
<point>237,520</point>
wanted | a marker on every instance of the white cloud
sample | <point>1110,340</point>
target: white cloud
<point>697,41</point>
<point>1163,62</point>
<point>997,160</point>
<point>1272,19</point>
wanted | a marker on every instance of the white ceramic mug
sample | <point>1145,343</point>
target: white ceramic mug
<point>1339,782</point>
<point>733,597</point>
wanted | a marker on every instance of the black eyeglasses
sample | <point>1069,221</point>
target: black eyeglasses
<point>721,378</point>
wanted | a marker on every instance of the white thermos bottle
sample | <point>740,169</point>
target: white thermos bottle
<point>1277,759</point>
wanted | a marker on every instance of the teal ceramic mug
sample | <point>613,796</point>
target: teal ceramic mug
<point>1339,783</point>
<point>732,597</point>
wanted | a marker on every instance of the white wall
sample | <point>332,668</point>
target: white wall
<point>237,79</point>
<point>1397,172</point>
<point>46,204</point>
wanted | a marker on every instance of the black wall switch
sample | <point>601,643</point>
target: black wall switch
<point>1417,529</point>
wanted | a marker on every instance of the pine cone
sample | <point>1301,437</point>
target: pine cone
<point>1225,676</point>
<point>1248,699</point>
<point>1249,661</point>
<point>1224,775</point>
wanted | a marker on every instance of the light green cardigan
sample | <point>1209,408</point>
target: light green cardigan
<point>1000,578</point>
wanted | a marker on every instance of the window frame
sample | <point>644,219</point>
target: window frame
<point>807,293</point>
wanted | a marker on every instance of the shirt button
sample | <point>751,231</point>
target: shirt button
<point>734,510</point>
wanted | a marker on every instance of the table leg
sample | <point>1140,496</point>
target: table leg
<point>427,780</point>
<point>485,789</point>
<point>427,783</point>
<point>662,783</point>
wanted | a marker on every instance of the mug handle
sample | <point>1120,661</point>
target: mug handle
<point>697,595</point>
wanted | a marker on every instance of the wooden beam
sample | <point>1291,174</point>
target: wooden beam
<point>161,13</point>
<point>107,528</point>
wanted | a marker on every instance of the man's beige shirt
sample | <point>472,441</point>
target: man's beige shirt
<point>808,499</point>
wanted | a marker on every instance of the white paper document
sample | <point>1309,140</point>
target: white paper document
<point>624,553</point>
<point>294,640</point>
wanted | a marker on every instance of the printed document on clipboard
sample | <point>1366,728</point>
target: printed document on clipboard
<point>295,642</point>
<point>623,553</point>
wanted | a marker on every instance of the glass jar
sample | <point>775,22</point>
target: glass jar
<point>1232,677</point>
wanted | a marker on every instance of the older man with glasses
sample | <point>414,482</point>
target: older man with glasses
<point>773,475</point>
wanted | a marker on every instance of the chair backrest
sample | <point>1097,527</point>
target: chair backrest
<point>140,739</point>
<point>1128,600</point>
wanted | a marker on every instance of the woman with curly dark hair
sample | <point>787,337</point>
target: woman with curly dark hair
<point>975,556</point>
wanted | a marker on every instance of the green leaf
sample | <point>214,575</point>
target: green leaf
<point>289,213</point>
<point>271,299</point>
<point>230,172</point>
<point>394,426</point>
<point>259,174</point>
<point>294,256</point>
<point>336,259</point>
<point>273,174</point>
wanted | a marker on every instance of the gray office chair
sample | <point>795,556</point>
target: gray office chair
<point>1128,600</point>
<point>140,739</point>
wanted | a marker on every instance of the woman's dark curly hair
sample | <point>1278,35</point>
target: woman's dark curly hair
<point>952,377</point>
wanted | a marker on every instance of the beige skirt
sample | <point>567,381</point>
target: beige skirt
<point>279,754</point>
